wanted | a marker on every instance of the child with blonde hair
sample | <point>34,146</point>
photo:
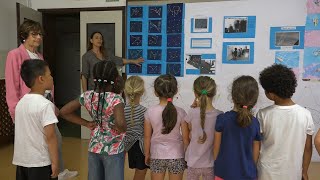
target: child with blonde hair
<point>134,115</point>
<point>201,121</point>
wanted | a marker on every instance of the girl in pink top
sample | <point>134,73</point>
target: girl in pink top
<point>163,143</point>
<point>201,122</point>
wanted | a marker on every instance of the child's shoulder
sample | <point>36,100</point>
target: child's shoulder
<point>227,114</point>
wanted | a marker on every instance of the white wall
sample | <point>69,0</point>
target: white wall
<point>8,30</point>
<point>51,4</point>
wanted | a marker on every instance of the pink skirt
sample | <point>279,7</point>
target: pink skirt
<point>217,178</point>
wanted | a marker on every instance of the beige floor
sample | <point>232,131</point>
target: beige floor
<point>75,157</point>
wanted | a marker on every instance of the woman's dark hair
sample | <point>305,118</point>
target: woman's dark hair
<point>106,78</point>
<point>204,87</point>
<point>102,48</point>
<point>27,27</point>
<point>245,92</point>
<point>278,79</point>
<point>166,86</point>
<point>31,69</point>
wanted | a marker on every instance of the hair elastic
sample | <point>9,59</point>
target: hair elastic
<point>245,107</point>
<point>204,92</point>
<point>169,99</point>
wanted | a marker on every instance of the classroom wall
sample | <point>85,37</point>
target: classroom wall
<point>8,30</point>
<point>52,4</point>
<point>272,13</point>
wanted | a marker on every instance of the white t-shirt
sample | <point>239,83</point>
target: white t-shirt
<point>33,113</point>
<point>284,129</point>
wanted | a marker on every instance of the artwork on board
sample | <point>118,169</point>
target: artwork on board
<point>238,53</point>
<point>156,33</point>
<point>313,6</point>
<point>201,43</point>
<point>289,59</point>
<point>201,64</point>
<point>287,37</point>
<point>239,27</point>
<point>201,25</point>
<point>313,22</point>
<point>311,63</point>
<point>312,39</point>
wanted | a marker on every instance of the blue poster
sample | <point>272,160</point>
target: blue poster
<point>156,33</point>
<point>292,36</point>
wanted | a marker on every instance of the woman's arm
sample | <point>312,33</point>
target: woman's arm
<point>84,83</point>
<point>85,72</point>
<point>67,112</point>
<point>216,144</point>
<point>317,141</point>
<point>133,61</point>
<point>147,140</point>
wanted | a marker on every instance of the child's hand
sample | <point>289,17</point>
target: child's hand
<point>305,176</point>
<point>91,125</point>
<point>147,160</point>
<point>55,170</point>
<point>194,104</point>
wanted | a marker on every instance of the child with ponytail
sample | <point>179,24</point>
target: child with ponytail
<point>134,114</point>
<point>201,121</point>
<point>163,143</point>
<point>237,134</point>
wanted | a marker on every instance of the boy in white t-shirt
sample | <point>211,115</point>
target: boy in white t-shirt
<point>286,128</point>
<point>36,145</point>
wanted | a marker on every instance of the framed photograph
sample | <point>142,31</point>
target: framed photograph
<point>201,25</point>
<point>201,64</point>
<point>287,37</point>
<point>238,53</point>
<point>239,27</point>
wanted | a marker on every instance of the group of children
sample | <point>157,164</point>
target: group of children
<point>163,137</point>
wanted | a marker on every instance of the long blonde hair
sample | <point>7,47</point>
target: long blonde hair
<point>134,87</point>
<point>204,87</point>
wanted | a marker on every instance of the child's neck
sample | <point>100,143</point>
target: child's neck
<point>137,100</point>
<point>37,90</point>
<point>163,101</point>
<point>284,102</point>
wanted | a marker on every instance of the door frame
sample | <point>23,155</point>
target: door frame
<point>78,10</point>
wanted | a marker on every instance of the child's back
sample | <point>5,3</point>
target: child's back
<point>103,139</point>
<point>286,127</point>
<point>200,155</point>
<point>165,146</point>
<point>284,130</point>
<point>235,159</point>
<point>33,113</point>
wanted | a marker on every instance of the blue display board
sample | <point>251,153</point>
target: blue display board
<point>156,33</point>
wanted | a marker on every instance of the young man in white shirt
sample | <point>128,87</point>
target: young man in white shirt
<point>36,145</point>
<point>286,128</point>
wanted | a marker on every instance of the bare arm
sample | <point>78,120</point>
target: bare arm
<point>52,141</point>
<point>84,83</point>
<point>133,61</point>
<point>307,157</point>
<point>216,144</point>
<point>185,134</point>
<point>147,140</point>
<point>317,141</point>
<point>256,151</point>
<point>67,112</point>
<point>120,121</point>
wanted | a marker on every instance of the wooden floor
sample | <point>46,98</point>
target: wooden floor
<point>75,156</point>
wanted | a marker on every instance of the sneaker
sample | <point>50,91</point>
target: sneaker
<point>66,174</point>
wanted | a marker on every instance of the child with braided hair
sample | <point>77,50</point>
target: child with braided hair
<point>134,114</point>
<point>106,107</point>
<point>201,121</point>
